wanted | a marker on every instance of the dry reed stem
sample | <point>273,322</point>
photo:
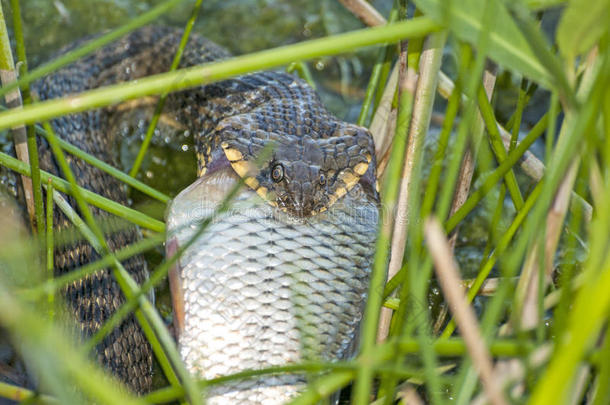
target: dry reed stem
<point>467,168</point>
<point>429,65</point>
<point>383,124</point>
<point>528,287</point>
<point>13,100</point>
<point>464,179</point>
<point>364,11</point>
<point>596,181</point>
<point>409,396</point>
<point>513,372</point>
<point>385,316</point>
<point>448,276</point>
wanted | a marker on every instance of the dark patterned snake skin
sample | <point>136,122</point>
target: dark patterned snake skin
<point>280,278</point>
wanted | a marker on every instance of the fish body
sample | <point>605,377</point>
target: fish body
<point>261,288</point>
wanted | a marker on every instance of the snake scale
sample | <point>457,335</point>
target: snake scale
<point>279,278</point>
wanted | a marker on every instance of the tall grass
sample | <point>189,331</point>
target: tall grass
<point>539,337</point>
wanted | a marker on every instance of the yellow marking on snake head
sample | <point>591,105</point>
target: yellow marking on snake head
<point>252,182</point>
<point>202,159</point>
<point>349,179</point>
<point>263,192</point>
<point>341,191</point>
<point>202,171</point>
<point>331,200</point>
<point>361,168</point>
<point>232,154</point>
<point>244,168</point>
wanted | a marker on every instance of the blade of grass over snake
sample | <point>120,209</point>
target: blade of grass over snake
<point>90,197</point>
<point>303,71</point>
<point>161,103</point>
<point>185,78</point>
<point>93,45</point>
<point>111,170</point>
<point>60,282</point>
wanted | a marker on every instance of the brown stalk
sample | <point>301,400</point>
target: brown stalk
<point>383,124</point>
<point>465,178</point>
<point>467,167</point>
<point>429,66</point>
<point>364,11</point>
<point>13,100</point>
<point>513,372</point>
<point>385,316</point>
<point>448,276</point>
<point>528,286</point>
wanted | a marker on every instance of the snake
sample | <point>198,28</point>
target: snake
<point>279,278</point>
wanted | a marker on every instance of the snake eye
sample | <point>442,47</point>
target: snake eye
<point>322,179</point>
<point>277,173</point>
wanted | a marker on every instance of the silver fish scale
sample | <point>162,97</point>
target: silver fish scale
<point>261,289</point>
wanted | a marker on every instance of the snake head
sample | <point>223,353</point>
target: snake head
<point>302,176</point>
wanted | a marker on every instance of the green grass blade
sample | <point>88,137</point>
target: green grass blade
<point>498,147</point>
<point>198,75</point>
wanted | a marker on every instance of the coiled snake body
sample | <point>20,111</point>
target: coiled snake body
<point>279,278</point>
